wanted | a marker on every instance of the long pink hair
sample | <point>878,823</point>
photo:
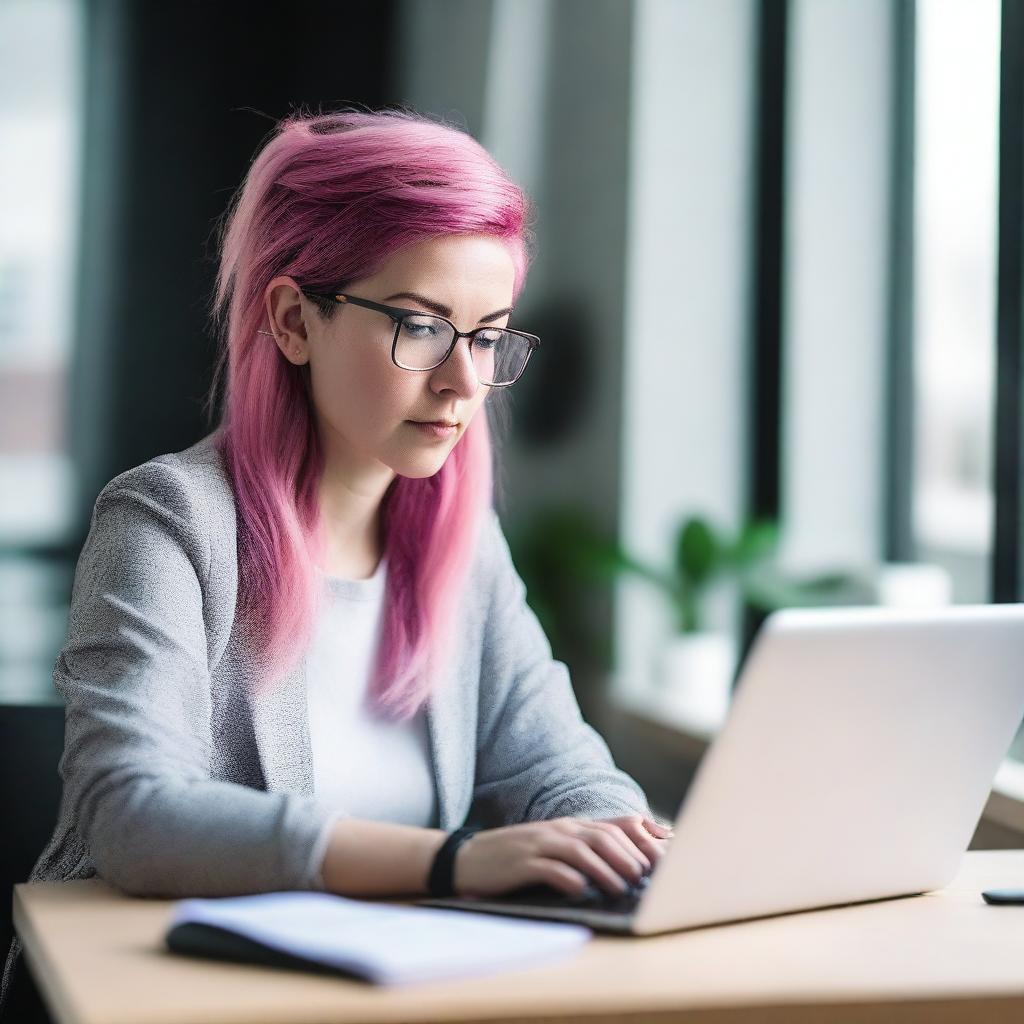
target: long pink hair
<point>328,200</point>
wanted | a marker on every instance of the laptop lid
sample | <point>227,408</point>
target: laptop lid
<point>855,762</point>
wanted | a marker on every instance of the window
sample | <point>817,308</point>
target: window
<point>39,169</point>
<point>39,123</point>
<point>956,186</point>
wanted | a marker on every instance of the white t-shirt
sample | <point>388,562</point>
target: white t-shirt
<point>369,767</point>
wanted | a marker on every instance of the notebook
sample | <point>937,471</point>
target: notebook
<point>375,941</point>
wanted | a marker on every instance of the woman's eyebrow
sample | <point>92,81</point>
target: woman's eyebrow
<point>441,309</point>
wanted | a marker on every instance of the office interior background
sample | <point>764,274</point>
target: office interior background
<point>777,283</point>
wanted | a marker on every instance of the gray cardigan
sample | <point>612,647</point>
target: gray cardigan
<point>178,783</point>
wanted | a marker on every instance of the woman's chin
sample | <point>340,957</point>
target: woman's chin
<point>418,467</point>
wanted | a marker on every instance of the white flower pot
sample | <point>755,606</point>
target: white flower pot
<point>696,671</point>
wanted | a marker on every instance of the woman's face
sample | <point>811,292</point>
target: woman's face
<point>365,405</point>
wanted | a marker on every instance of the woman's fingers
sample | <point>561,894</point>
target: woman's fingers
<point>640,831</point>
<point>657,829</point>
<point>618,849</point>
<point>577,852</point>
<point>558,875</point>
<point>660,834</point>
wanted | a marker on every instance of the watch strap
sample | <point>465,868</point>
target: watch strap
<point>440,882</point>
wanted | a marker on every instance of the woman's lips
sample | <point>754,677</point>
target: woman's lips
<point>435,429</point>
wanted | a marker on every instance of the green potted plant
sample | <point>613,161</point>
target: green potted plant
<point>697,664</point>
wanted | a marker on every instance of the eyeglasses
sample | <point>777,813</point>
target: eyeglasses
<point>423,341</point>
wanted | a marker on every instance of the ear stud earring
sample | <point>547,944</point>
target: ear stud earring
<point>270,334</point>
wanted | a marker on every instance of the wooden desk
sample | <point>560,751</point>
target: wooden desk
<point>98,958</point>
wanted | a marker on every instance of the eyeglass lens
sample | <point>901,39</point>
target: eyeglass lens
<point>498,355</point>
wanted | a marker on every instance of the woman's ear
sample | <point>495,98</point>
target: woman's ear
<point>283,300</point>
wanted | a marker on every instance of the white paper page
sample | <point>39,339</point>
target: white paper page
<point>387,944</point>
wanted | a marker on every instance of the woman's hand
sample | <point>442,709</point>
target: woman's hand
<point>565,853</point>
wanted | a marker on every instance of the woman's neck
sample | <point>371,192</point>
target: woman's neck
<point>352,532</point>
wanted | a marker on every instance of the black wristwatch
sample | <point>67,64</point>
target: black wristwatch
<point>440,881</point>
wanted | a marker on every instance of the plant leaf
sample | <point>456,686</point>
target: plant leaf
<point>698,552</point>
<point>758,540</point>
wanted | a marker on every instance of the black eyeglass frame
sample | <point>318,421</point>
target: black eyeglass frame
<point>398,314</point>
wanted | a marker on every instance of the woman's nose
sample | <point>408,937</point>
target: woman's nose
<point>458,371</point>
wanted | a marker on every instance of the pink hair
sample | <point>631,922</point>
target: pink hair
<point>328,200</point>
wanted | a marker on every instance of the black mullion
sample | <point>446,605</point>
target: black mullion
<point>1006,546</point>
<point>897,531</point>
<point>766,350</point>
<point>765,395</point>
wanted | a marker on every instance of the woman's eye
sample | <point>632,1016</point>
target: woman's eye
<point>419,330</point>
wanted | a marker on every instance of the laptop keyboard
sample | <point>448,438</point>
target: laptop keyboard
<point>591,898</point>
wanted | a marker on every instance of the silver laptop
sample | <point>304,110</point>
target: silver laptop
<point>854,765</point>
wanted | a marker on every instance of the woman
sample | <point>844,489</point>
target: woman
<point>299,655</point>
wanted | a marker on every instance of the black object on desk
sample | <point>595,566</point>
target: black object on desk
<point>1000,897</point>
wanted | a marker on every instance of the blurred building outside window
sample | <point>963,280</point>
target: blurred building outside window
<point>40,136</point>
<point>39,169</point>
